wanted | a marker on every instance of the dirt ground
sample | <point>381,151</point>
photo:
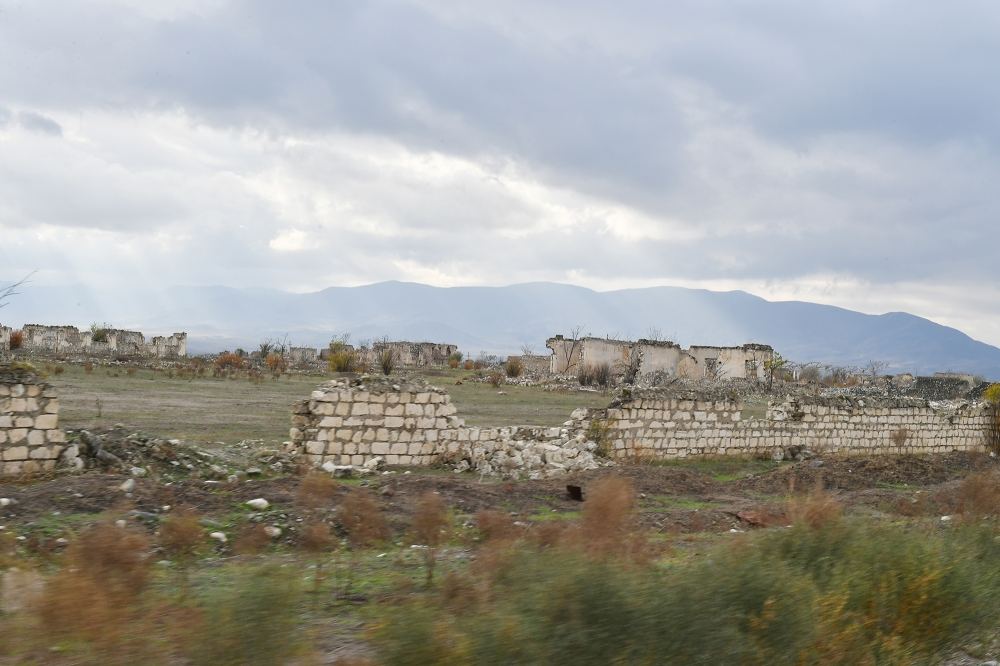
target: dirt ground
<point>674,499</point>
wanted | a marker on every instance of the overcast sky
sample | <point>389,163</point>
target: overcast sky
<point>840,152</point>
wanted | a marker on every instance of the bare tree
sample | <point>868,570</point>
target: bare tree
<point>10,290</point>
<point>526,350</point>
<point>567,357</point>
<point>875,369</point>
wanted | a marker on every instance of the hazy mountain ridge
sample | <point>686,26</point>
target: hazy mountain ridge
<point>502,319</point>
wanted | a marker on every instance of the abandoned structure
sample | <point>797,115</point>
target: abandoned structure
<point>30,438</point>
<point>36,338</point>
<point>407,354</point>
<point>411,423</point>
<point>748,361</point>
<point>351,423</point>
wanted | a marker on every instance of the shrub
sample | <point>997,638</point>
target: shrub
<point>362,520</point>
<point>342,357</point>
<point>228,361</point>
<point>88,367</point>
<point>99,332</point>
<point>430,523</point>
<point>592,374</point>
<point>514,367</point>
<point>16,340</point>
<point>276,363</point>
<point>495,378</point>
<point>598,431</point>
<point>979,495</point>
<point>469,365</point>
<point>316,491</point>
<point>95,598</point>
<point>387,359</point>
<point>181,536</point>
<point>252,620</point>
<point>454,359</point>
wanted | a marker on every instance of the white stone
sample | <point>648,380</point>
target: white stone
<point>258,504</point>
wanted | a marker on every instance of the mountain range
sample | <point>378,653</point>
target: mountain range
<point>504,319</point>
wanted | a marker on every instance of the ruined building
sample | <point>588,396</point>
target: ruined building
<point>40,339</point>
<point>659,356</point>
<point>407,354</point>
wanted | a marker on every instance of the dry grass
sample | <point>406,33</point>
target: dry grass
<point>814,509</point>
<point>978,495</point>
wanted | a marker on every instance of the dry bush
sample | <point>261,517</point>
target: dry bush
<point>387,360</point>
<point>16,340</point>
<point>96,597</point>
<point>276,363</point>
<point>900,437</point>
<point>495,378</point>
<point>585,375</point>
<point>130,371</point>
<point>88,367</point>
<point>228,361</point>
<point>469,365</point>
<point>495,525</point>
<point>602,375</point>
<point>978,495</point>
<point>251,540</point>
<point>430,525</point>
<point>815,509</point>
<point>315,491</point>
<point>316,540</point>
<point>362,519</point>
<point>606,524</point>
<point>514,367</point>
<point>181,535</point>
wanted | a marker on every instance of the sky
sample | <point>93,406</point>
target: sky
<point>838,152</point>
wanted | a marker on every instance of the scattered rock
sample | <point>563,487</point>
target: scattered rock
<point>218,536</point>
<point>128,486</point>
<point>272,531</point>
<point>259,504</point>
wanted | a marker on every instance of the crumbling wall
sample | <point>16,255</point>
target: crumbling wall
<point>5,333</point>
<point>415,354</point>
<point>676,427</point>
<point>40,339</point>
<point>351,422</point>
<point>302,355</point>
<point>748,361</point>
<point>533,364</point>
<point>660,357</point>
<point>30,438</point>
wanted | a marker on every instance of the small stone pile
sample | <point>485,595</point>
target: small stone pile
<point>521,454</point>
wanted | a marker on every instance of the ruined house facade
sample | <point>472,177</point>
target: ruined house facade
<point>747,361</point>
<point>41,339</point>
<point>407,354</point>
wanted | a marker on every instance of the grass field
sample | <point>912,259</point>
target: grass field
<point>229,410</point>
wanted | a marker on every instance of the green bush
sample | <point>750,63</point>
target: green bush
<point>842,592</point>
<point>252,620</point>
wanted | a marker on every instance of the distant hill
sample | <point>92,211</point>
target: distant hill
<point>502,319</point>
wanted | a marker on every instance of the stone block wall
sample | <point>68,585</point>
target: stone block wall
<point>347,422</point>
<point>30,438</point>
<point>406,424</point>
<point>677,427</point>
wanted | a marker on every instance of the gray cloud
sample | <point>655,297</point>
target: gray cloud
<point>36,122</point>
<point>304,143</point>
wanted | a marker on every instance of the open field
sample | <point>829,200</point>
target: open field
<point>230,410</point>
<point>879,559</point>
